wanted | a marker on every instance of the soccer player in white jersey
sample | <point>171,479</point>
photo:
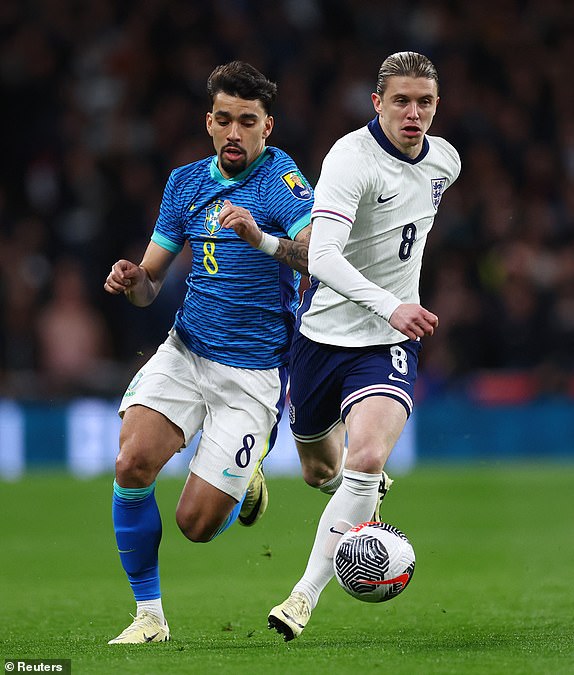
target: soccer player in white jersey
<point>223,368</point>
<point>355,351</point>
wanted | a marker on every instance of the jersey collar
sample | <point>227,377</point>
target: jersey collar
<point>379,135</point>
<point>220,178</point>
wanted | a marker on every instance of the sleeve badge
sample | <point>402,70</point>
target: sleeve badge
<point>297,185</point>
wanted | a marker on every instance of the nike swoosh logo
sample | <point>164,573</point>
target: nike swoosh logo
<point>151,637</point>
<point>402,579</point>
<point>129,550</point>
<point>392,376</point>
<point>382,199</point>
<point>250,519</point>
<point>334,531</point>
<point>228,474</point>
<point>290,618</point>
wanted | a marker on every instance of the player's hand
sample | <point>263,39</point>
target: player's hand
<point>124,276</point>
<point>240,220</point>
<point>413,321</point>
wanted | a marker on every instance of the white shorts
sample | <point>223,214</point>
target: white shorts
<point>238,410</point>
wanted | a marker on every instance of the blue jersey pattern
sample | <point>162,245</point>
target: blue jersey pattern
<point>240,303</point>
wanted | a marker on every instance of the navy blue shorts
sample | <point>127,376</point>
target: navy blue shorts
<point>327,380</point>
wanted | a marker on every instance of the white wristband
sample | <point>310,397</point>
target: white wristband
<point>268,244</point>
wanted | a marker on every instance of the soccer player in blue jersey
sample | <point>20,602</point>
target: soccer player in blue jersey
<point>245,212</point>
<point>355,350</point>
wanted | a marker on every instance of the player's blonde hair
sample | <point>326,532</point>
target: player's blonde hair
<point>405,64</point>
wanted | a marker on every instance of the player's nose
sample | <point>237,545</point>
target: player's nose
<point>233,131</point>
<point>413,111</point>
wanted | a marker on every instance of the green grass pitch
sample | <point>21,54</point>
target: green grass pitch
<point>493,590</point>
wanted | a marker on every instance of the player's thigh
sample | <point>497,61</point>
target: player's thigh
<point>147,437</point>
<point>169,384</point>
<point>240,424</point>
<point>377,398</point>
<point>315,391</point>
<point>374,425</point>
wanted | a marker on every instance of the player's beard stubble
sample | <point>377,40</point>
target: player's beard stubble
<point>236,166</point>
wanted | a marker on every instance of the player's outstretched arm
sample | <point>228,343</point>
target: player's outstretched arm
<point>291,252</point>
<point>140,283</point>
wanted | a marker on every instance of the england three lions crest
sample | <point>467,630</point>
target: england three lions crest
<point>437,188</point>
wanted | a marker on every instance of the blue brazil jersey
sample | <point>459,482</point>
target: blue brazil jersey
<point>240,303</point>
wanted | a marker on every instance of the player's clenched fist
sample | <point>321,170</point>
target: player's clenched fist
<point>413,320</point>
<point>123,276</point>
<point>241,220</point>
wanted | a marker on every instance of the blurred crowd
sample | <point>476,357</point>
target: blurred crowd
<point>101,99</point>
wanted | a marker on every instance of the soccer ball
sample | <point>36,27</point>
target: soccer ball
<point>374,562</point>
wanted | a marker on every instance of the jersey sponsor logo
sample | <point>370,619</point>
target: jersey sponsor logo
<point>437,188</point>
<point>212,224</point>
<point>227,473</point>
<point>393,377</point>
<point>382,199</point>
<point>297,184</point>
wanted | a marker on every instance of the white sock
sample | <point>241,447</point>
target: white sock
<point>331,486</point>
<point>353,503</point>
<point>151,606</point>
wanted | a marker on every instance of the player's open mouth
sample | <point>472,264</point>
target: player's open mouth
<point>233,153</point>
<point>411,130</point>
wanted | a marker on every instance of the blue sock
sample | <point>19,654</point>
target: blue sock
<point>231,518</point>
<point>137,525</point>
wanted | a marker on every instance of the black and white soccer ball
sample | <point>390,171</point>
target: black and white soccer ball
<point>374,562</point>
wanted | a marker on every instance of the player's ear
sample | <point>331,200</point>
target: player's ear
<point>209,123</point>
<point>377,103</point>
<point>268,127</point>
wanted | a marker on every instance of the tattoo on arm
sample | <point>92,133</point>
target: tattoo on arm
<point>294,253</point>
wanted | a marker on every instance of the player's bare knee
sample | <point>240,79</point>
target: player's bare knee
<point>193,528</point>
<point>186,525</point>
<point>313,479</point>
<point>316,474</point>
<point>134,470</point>
<point>189,532</point>
<point>367,460</point>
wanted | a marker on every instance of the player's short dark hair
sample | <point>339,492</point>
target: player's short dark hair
<point>244,81</point>
<point>405,64</point>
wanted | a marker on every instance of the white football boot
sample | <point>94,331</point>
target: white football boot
<point>145,627</point>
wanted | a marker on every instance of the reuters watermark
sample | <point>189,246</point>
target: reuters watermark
<point>60,666</point>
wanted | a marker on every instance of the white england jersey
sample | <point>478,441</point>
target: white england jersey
<point>389,202</point>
